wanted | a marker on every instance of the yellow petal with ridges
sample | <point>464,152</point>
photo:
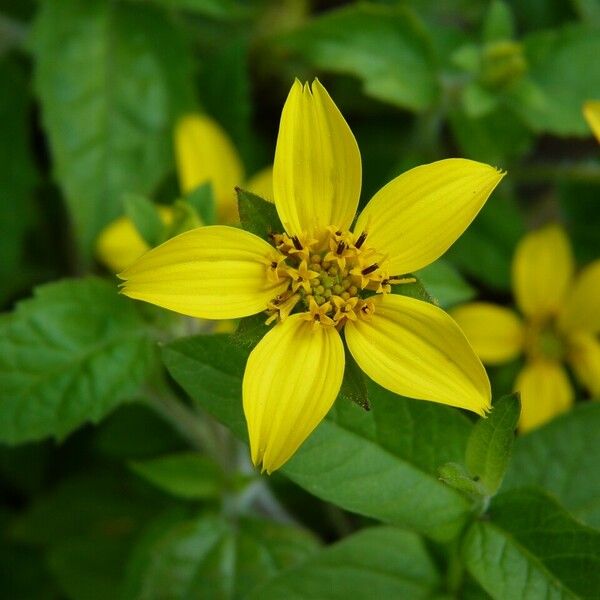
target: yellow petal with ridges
<point>591,112</point>
<point>261,184</point>
<point>215,272</point>
<point>542,270</point>
<point>119,243</point>
<point>415,349</point>
<point>494,332</point>
<point>205,153</point>
<point>418,215</point>
<point>581,310</point>
<point>584,358</point>
<point>545,393</point>
<point>291,381</point>
<point>317,170</point>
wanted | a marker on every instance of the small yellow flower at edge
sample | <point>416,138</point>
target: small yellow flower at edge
<point>204,153</point>
<point>561,322</point>
<point>318,274</point>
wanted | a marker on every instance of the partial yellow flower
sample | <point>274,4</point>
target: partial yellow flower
<point>319,277</point>
<point>591,112</point>
<point>120,244</point>
<point>560,324</point>
<point>204,153</point>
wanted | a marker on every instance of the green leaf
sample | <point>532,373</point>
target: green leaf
<point>257,215</point>
<point>490,443</point>
<point>379,562</point>
<point>499,22</point>
<point>218,9</point>
<point>497,138</point>
<point>354,388</point>
<point>186,474</point>
<point>532,548</point>
<point>209,557</point>
<point>68,356</point>
<point>445,284</point>
<point>145,217</point>
<point>486,248</point>
<point>562,64</point>
<point>250,330</point>
<point>457,476</point>
<point>386,47</point>
<point>342,461</point>
<point>562,457</point>
<point>111,78</point>
<point>203,202</point>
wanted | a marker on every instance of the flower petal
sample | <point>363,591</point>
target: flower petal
<point>291,381</point>
<point>581,311</point>
<point>417,216</point>
<point>542,271</point>
<point>545,392</point>
<point>120,244</point>
<point>415,349</point>
<point>261,184</point>
<point>584,358</point>
<point>495,332</point>
<point>213,272</point>
<point>317,170</point>
<point>205,153</point>
<point>591,112</point>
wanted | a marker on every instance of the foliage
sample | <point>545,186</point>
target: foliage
<point>123,461</point>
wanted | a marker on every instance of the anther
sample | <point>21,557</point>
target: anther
<point>361,239</point>
<point>296,242</point>
<point>340,248</point>
<point>370,269</point>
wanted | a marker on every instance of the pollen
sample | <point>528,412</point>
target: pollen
<point>331,279</point>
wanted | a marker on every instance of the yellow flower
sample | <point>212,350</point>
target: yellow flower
<point>560,323</point>
<point>204,153</point>
<point>591,112</point>
<point>320,276</point>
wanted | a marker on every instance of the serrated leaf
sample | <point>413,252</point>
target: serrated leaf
<point>257,215</point>
<point>203,201</point>
<point>386,47</point>
<point>111,78</point>
<point>68,356</point>
<point>532,548</point>
<point>145,217</point>
<point>490,443</point>
<point>444,284</point>
<point>209,557</point>
<point>562,457</point>
<point>342,461</point>
<point>379,562</point>
<point>186,474</point>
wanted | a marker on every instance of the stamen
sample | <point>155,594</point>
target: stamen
<point>370,269</point>
<point>361,240</point>
<point>340,248</point>
<point>296,242</point>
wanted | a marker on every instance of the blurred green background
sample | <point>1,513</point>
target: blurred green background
<point>90,91</point>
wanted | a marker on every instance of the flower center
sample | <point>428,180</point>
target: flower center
<point>330,280</point>
<point>543,341</point>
